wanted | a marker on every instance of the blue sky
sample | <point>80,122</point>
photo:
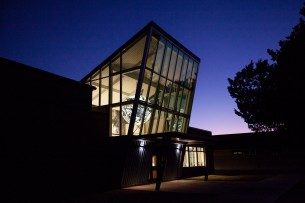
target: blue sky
<point>70,38</point>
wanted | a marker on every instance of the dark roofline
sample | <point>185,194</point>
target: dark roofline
<point>14,65</point>
<point>137,35</point>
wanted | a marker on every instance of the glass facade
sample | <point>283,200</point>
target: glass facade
<point>148,85</point>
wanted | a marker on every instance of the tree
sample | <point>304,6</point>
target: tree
<point>271,97</point>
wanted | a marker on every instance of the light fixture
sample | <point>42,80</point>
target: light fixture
<point>127,110</point>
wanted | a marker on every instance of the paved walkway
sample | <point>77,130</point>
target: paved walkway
<point>267,190</point>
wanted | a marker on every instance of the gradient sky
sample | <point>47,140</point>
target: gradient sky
<point>70,38</point>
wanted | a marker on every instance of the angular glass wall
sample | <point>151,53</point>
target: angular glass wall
<point>164,77</point>
<point>169,80</point>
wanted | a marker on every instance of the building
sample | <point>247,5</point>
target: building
<point>256,153</point>
<point>146,89</point>
<point>125,123</point>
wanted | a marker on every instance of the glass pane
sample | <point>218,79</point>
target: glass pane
<point>186,159</point>
<point>146,83</point>
<point>115,121</point>
<point>201,159</point>
<point>152,52</point>
<point>168,122</point>
<point>105,91</point>
<point>95,75</point>
<point>142,116</point>
<point>173,95</point>
<point>194,75</point>
<point>161,90</point>
<point>167,92</point>
<point>129,84</point>
<point>172,64</point>
<point>154,160</point>
<point>178,67</point>
<point>132,57</point>
<point>161,122</point>
<point>188,77</point>
<point>155,121</point>
<point>115,64</point>
<point>183,70</point>
<point>193,158</point>
<point>126,115</point>
<point>115,88</point>
<point>181,124</point>
<point>148,116</point>
<point>95,93</point>
<point>166,59</point>
<point>184,101</point>
<point>105,71</point>
<point>153,88</point>
<point>179,97</point>
<point>175,123</point>
<point>159,57</point>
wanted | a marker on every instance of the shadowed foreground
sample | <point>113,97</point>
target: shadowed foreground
<point>277,189</point>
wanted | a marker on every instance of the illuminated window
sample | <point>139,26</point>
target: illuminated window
<point>194,156</point>
<point>154,160</point>
<point>186,158</point>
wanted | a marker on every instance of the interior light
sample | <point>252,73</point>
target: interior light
<point>127,110</point>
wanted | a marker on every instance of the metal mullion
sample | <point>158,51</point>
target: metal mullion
<point>140,81</point>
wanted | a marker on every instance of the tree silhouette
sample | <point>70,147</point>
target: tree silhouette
<point>270,97</point>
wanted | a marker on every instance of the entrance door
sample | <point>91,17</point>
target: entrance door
<point>153,169</point>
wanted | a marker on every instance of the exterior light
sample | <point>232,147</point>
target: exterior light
<point>142,143</point>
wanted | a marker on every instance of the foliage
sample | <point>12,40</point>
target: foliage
<point>270,97</point>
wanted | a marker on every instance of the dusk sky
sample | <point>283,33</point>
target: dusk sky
<point>70,38</point>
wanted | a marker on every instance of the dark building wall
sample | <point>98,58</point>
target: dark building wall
<point>137,164</point>
<point>174,159</point>
<point>258,152</point>
<point>48,131</point>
